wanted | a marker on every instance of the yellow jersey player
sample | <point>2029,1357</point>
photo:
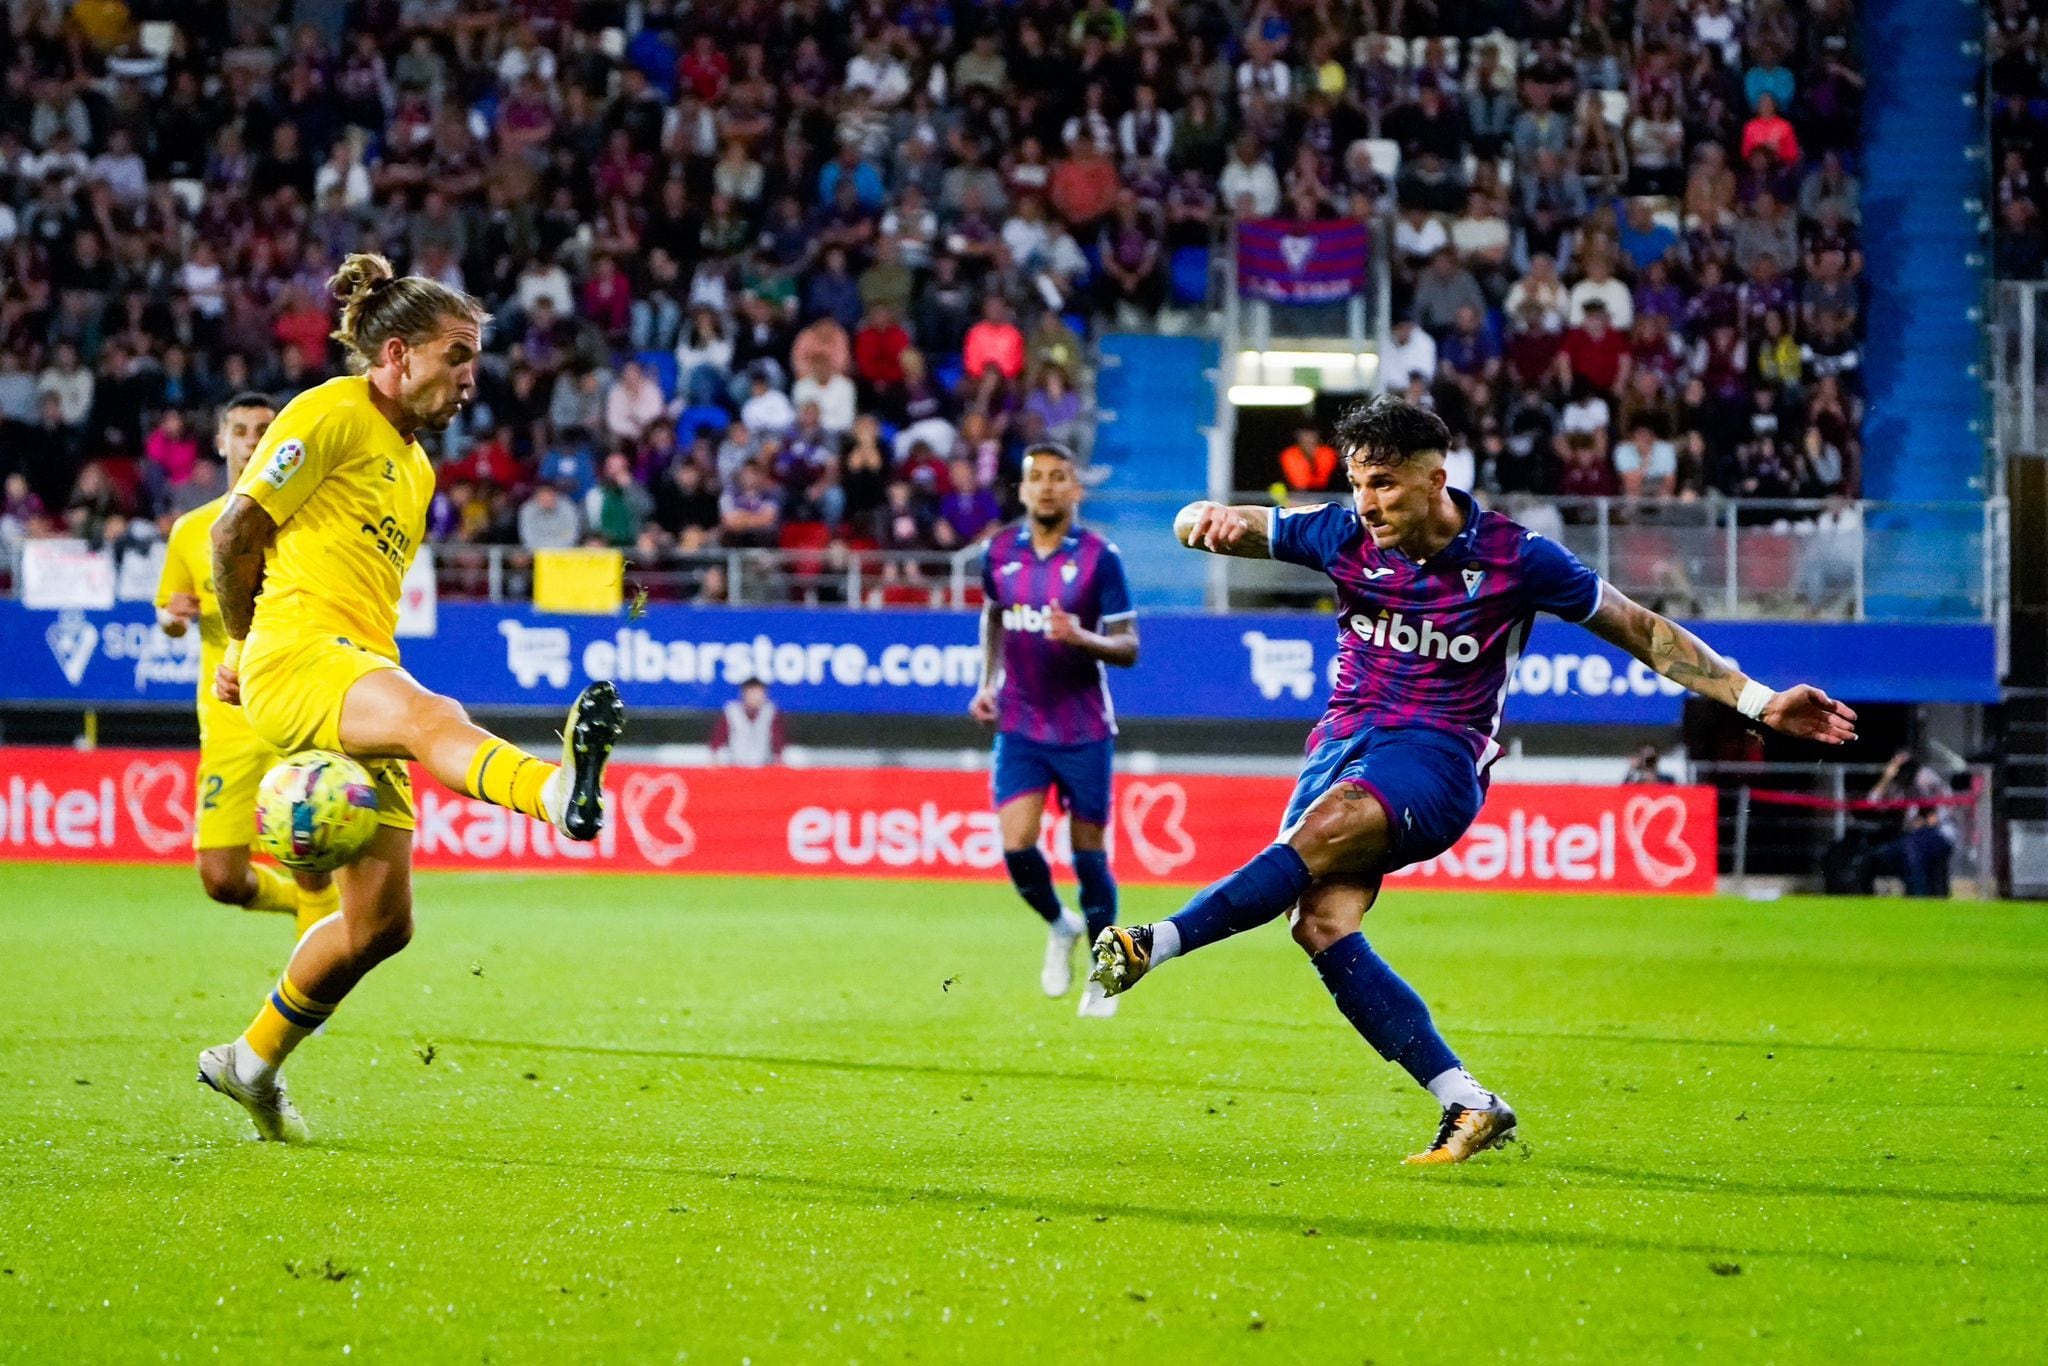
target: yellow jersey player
<point>325,521</point>
<point>232,758</point>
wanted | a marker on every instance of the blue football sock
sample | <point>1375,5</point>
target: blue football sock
<point>1384,1008</point>
<point>1256,893</point>
<point>1098,890</point>
<point>1032,877</point>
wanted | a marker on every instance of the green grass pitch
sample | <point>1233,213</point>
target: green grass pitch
<point>634,1120</point>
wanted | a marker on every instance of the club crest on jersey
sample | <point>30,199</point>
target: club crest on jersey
<point>1068,571</point>
<point>284,462</point>
<point>1473,578</point>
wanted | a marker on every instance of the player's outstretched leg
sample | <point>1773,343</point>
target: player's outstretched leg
<point>1254,895</point>
<point>375,923</point>
<point>386,714</point>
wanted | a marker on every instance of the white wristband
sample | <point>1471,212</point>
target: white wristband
<point>1755,697</point>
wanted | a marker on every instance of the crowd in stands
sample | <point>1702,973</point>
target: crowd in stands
<point>1625,246</point>
<point>768,271</point>
<point>2016,55</point>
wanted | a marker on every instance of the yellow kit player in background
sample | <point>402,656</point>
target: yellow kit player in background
<point>232,757</point>
<point>324,522</point>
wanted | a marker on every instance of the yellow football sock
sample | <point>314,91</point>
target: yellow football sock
<point>315,907</point>
<point>506,775</point>
<point>275,891</point>
<point>288,1015</point>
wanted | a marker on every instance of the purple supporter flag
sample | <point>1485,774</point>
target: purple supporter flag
<point>1289,261</point>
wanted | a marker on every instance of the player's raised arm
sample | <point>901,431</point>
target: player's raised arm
<point>1679,655</point>
<point>1221,529</point>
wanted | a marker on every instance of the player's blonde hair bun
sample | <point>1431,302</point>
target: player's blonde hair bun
<point>378,304</point>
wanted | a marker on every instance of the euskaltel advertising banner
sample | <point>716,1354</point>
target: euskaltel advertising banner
<point>136,805</point>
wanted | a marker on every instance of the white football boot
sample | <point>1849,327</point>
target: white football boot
<point>277,1120</point>
<point>1056,978</point>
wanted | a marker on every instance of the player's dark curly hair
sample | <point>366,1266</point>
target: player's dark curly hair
<point>1389,431</point>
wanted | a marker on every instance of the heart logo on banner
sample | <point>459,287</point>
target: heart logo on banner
<point>653,804</point>
<point>1654,828</point>
<point>154,794</point>
<point>1151,821</point>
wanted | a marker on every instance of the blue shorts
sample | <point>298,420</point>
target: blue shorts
<point>1080,772</point>
<point>1427,780</point>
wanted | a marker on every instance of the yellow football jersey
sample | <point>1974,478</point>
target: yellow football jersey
<point>349,497</point>
<point>188,568</point>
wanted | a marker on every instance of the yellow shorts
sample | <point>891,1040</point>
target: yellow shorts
<point>292,692</point>
<point>232,762</point>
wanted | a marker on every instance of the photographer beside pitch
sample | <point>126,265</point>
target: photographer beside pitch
<point>1435,599</point>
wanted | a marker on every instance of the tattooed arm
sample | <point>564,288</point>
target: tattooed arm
<point>240,535</point>
<point>1245,532</point>
<point>1679,655</point>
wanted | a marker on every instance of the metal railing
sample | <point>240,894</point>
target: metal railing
<point>2019,367</point>
<point>1709,559</point>
<point>1796,559</point>
<point>831,576</point>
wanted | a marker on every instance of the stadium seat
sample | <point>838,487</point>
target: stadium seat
<point>1767,568</point>
<point>1190,274</point>
<point>805,544</point>
<point>699,416</point>
<point>902,595</point>
<point>662,365</point>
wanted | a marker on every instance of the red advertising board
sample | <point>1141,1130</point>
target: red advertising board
<point>136,805</point>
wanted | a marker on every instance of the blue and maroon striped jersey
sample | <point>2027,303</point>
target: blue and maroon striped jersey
<point>1053,693</point>
<point>1432,643</point>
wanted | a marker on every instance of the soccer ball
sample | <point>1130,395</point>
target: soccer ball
<point>315,811</point>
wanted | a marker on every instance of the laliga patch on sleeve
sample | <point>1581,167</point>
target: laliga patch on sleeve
<point>284,462</point>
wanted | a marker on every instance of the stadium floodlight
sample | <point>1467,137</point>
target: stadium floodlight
<point>1270,395</point>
